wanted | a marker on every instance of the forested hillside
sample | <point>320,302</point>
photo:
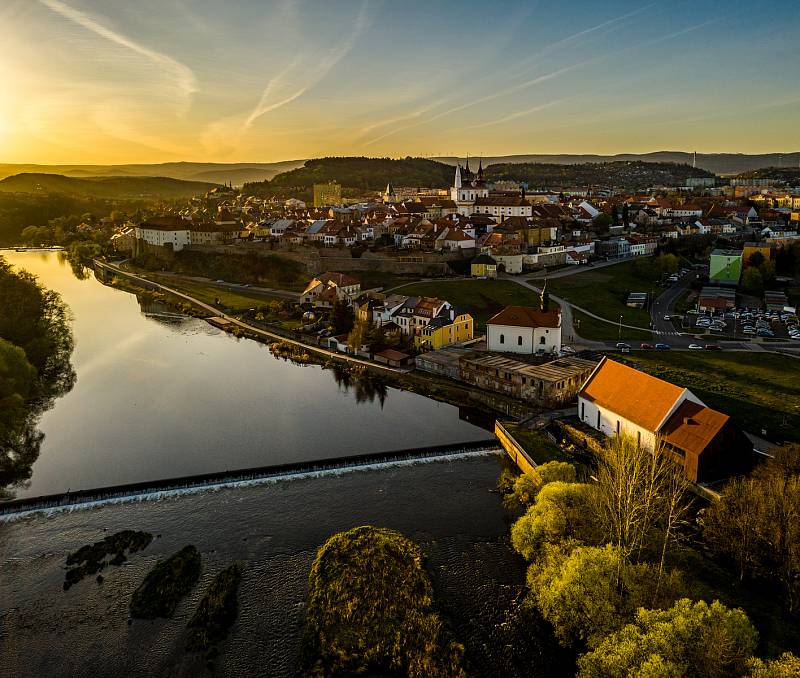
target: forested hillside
<point>370,174</point>
<point>628,175</point>
<point>104,187</point>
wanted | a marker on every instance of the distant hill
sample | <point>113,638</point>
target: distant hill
<point>718,163</point>
<point>104,187</point>
<point>371,174</point>
<point>629,175</point>
<point>788,176</point>
<point>218,173</point>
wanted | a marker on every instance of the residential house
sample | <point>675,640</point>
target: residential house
<point>483,266</point>
<point>324,289</point>
<point>450,326</point>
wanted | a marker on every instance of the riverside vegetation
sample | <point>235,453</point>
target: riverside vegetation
<point>216,612</point>
<point>35,348</point>
<point>613,569</point>
<point>370,611</point>
<point>91,558</point>
<point>165,585</point>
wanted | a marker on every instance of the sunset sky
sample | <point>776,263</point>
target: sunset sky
<point>108,81</point>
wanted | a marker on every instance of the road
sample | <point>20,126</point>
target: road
<point>234,287</point>
<point>665,305</point>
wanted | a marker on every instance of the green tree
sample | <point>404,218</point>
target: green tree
<point>562,512</point>
<point>785,666</point>
<point>17,383</point>
<point>527,486</point>
<point>752,280</point>
<point>755,259</point>
<point>591,591</point>
<point>341,316</point>
<point>689,639</point>
<point>767,270</point>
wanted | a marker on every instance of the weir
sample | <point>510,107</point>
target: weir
<point>17,509</point>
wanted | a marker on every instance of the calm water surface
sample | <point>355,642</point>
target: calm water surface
<point>159,398</point>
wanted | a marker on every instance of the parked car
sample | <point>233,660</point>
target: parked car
<point>713,347</point>
<point>622,344</point>
<point>644,345</point>
<point>662,347</point>
<point>667,318</point>
<point>695,347</point>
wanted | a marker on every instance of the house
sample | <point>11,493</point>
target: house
<point>750,248</point>
<point>617,399</point>
<point>324,289</point>
<point>725,267</point>
<point>613,248</point>
<point>716,298</point>
<point>521,329</point>
<point>454,239</point>
<point>393,358</point>
<point>450,326</point>
<point>483,266</point>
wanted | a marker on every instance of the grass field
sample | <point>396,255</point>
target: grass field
<point>234,299</point>
<point>536,444</point>
<point>759,390</point>
<point>604,292</point>
<point>597,330</point>
<point>481,298</point>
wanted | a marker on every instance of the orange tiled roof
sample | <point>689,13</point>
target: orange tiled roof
<point>692,427</point>
<point>525,316</point>
<point>638,397</point>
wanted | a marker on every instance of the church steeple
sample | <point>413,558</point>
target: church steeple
<point>457,180</point>
<point>544,298</point>
<point>480,168</point>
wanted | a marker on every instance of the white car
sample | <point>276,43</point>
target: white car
<point>695,347</point>
<point>667,318</point>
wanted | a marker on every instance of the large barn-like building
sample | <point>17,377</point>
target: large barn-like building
<point>618,399</point>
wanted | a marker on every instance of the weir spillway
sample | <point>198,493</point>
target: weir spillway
<point>18,509</point>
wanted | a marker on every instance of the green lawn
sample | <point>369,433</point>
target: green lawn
<point>236,300</point>
<point>537,444</point>
<point>759,390</point>
<point>481,298</point>
<point>597,330</point>
<point>604,292</point>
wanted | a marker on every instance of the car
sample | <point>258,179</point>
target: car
<point>765,333</point>
<point>662,347</point>
<point>220,281</point>
<point>695,347</point>
<point>568,349</point>
<point>693,311</point>
<point>713,347</point>
<point>667,318</point>
<point>645,345</point>
<point>622,344</point>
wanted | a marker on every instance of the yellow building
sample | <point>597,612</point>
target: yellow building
<point>751,248</point>
<point>327,194</point>
<point>450,327</point>
<point>483,266</point>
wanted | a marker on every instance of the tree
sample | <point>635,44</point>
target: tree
<point>638,491</point>
<point>602,222</point>
<point>626,219</point>
<point>752,280</point>
<point>563,512</point>
<point>580,594</point>
<point>767,270</point>
<point>757,522</point>
<point>689,639</point>
<point>785,666</point>
<point>527,486</point>
<point>341,316</point>
<point>755,259</point>
<point>614,214</point>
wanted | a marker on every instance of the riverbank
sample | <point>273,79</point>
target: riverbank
<point>449,508</point>
<point>436,388</point>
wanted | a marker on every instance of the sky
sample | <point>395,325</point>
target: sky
<point>115,81</point>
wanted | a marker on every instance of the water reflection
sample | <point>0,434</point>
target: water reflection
<point>160,395</point>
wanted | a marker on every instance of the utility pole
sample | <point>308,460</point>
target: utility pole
<point>619,336</point>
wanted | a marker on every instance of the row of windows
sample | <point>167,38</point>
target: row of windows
<point>519,340</point>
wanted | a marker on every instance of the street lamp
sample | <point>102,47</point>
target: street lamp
<point>619,336</point>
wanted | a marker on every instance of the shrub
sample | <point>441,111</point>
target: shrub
<point>370,609</point>
<point>216,612</point>
<point>528,485</point>
<point>164,586</point>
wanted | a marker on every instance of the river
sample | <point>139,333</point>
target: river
<point>162,395</point>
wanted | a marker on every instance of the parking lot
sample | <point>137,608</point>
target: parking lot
<point>744,323</point>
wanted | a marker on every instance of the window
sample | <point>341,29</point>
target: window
<point>598,419</point>
<point>583,411</point>
<point>617,426</point>
<point>541,340</point>
<point>502,338</point>
<point>519,341</point>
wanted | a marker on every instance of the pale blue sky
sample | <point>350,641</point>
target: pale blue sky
<point>261,80</point>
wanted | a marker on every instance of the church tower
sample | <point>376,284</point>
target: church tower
<point>389,195</point>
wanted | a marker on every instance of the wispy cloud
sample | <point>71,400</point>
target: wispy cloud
<point>518,114</point>
<point>184,77</point>
<point>273,98</point>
